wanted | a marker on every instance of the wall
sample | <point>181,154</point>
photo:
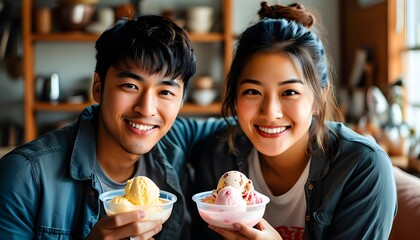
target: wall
<point>326,13</point>
<point>76,62</point>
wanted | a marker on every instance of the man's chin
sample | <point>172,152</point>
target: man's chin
<point>138,149</point>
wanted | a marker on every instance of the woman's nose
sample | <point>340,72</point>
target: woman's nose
<point>271,108</point>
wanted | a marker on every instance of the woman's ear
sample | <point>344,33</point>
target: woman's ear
<point>315,111</point>
<point>96,88</point>
<point>327,89</point>
<point>325,92</point>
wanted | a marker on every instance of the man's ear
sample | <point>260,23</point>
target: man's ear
<point>96,88</point>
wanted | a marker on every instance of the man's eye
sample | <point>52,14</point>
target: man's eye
<point>131,86</point>
<point>167,93</point>
<point>251,92</point>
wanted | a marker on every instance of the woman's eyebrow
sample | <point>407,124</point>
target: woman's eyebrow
<point>290,81</point>
<point>252,81</point>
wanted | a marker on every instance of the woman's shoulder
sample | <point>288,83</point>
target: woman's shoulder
<point>339,132</point>
<point>347,144</point>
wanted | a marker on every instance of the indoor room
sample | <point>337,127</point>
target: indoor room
<point>47,69</point>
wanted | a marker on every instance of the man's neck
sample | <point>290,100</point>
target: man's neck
<point>117,163</point>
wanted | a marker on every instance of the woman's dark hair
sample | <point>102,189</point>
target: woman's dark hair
<point>284,29</point>
<point>154,43</point>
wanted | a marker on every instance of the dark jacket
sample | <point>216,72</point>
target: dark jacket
<point>350,191</point>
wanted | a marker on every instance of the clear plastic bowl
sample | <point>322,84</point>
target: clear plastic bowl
<point>224,216</point>
<point>153,212</point>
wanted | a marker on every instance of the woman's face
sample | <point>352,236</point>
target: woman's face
<point>274,104</point>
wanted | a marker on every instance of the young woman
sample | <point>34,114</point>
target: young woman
<point>324,181</point>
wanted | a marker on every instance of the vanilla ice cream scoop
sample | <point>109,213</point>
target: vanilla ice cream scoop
<point>121,204</point>
<point>142,190</point>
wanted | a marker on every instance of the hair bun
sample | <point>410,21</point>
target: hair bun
<point>294,12</point>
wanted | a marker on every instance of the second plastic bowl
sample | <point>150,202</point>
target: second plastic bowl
<point>224,216</point>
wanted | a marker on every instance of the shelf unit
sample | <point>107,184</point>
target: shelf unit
<point>30,38</point>
<point>375,28</point>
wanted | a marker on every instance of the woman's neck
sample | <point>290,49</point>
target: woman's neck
<point>283,171</point>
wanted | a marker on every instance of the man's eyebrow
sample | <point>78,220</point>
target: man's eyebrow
<point>128,74</point>
<point>172,82</point>
<point>290,81</point>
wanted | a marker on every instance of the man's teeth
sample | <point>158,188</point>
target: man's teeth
<point>272,130</point>
<point>140,126</point>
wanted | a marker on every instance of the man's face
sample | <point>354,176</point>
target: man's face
<point>137,109</point>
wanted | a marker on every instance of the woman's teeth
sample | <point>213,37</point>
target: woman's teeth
<point>272,130</point>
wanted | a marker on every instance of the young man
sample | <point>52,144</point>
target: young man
<point>50,186</point>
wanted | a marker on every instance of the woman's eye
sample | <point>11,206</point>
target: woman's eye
<point>251,92</point>
<point>289,93</point>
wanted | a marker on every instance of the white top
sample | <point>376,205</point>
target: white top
<point>286,213</point>
<point>108,184</point>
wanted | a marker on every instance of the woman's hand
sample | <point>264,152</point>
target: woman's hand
<point>262,231</point>
<point>125,225</point>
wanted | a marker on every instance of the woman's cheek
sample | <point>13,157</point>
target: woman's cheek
<point>246,109</point>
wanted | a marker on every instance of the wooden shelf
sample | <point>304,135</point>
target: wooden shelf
<point>89,37</point>
<point>372,28</point>
<point>194,109</point>
<point>61,107</point>
<point>65,37</point>
<point>208,37</point>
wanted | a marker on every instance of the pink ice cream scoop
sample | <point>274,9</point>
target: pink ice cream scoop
<point>254,198</point>
<point>230,196</point>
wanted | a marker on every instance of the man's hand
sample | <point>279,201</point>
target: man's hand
<point>125,225</point>
<point>262,231</point>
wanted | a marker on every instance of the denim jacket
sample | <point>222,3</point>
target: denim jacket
<point>49,190</point>
<point>350,191</point>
